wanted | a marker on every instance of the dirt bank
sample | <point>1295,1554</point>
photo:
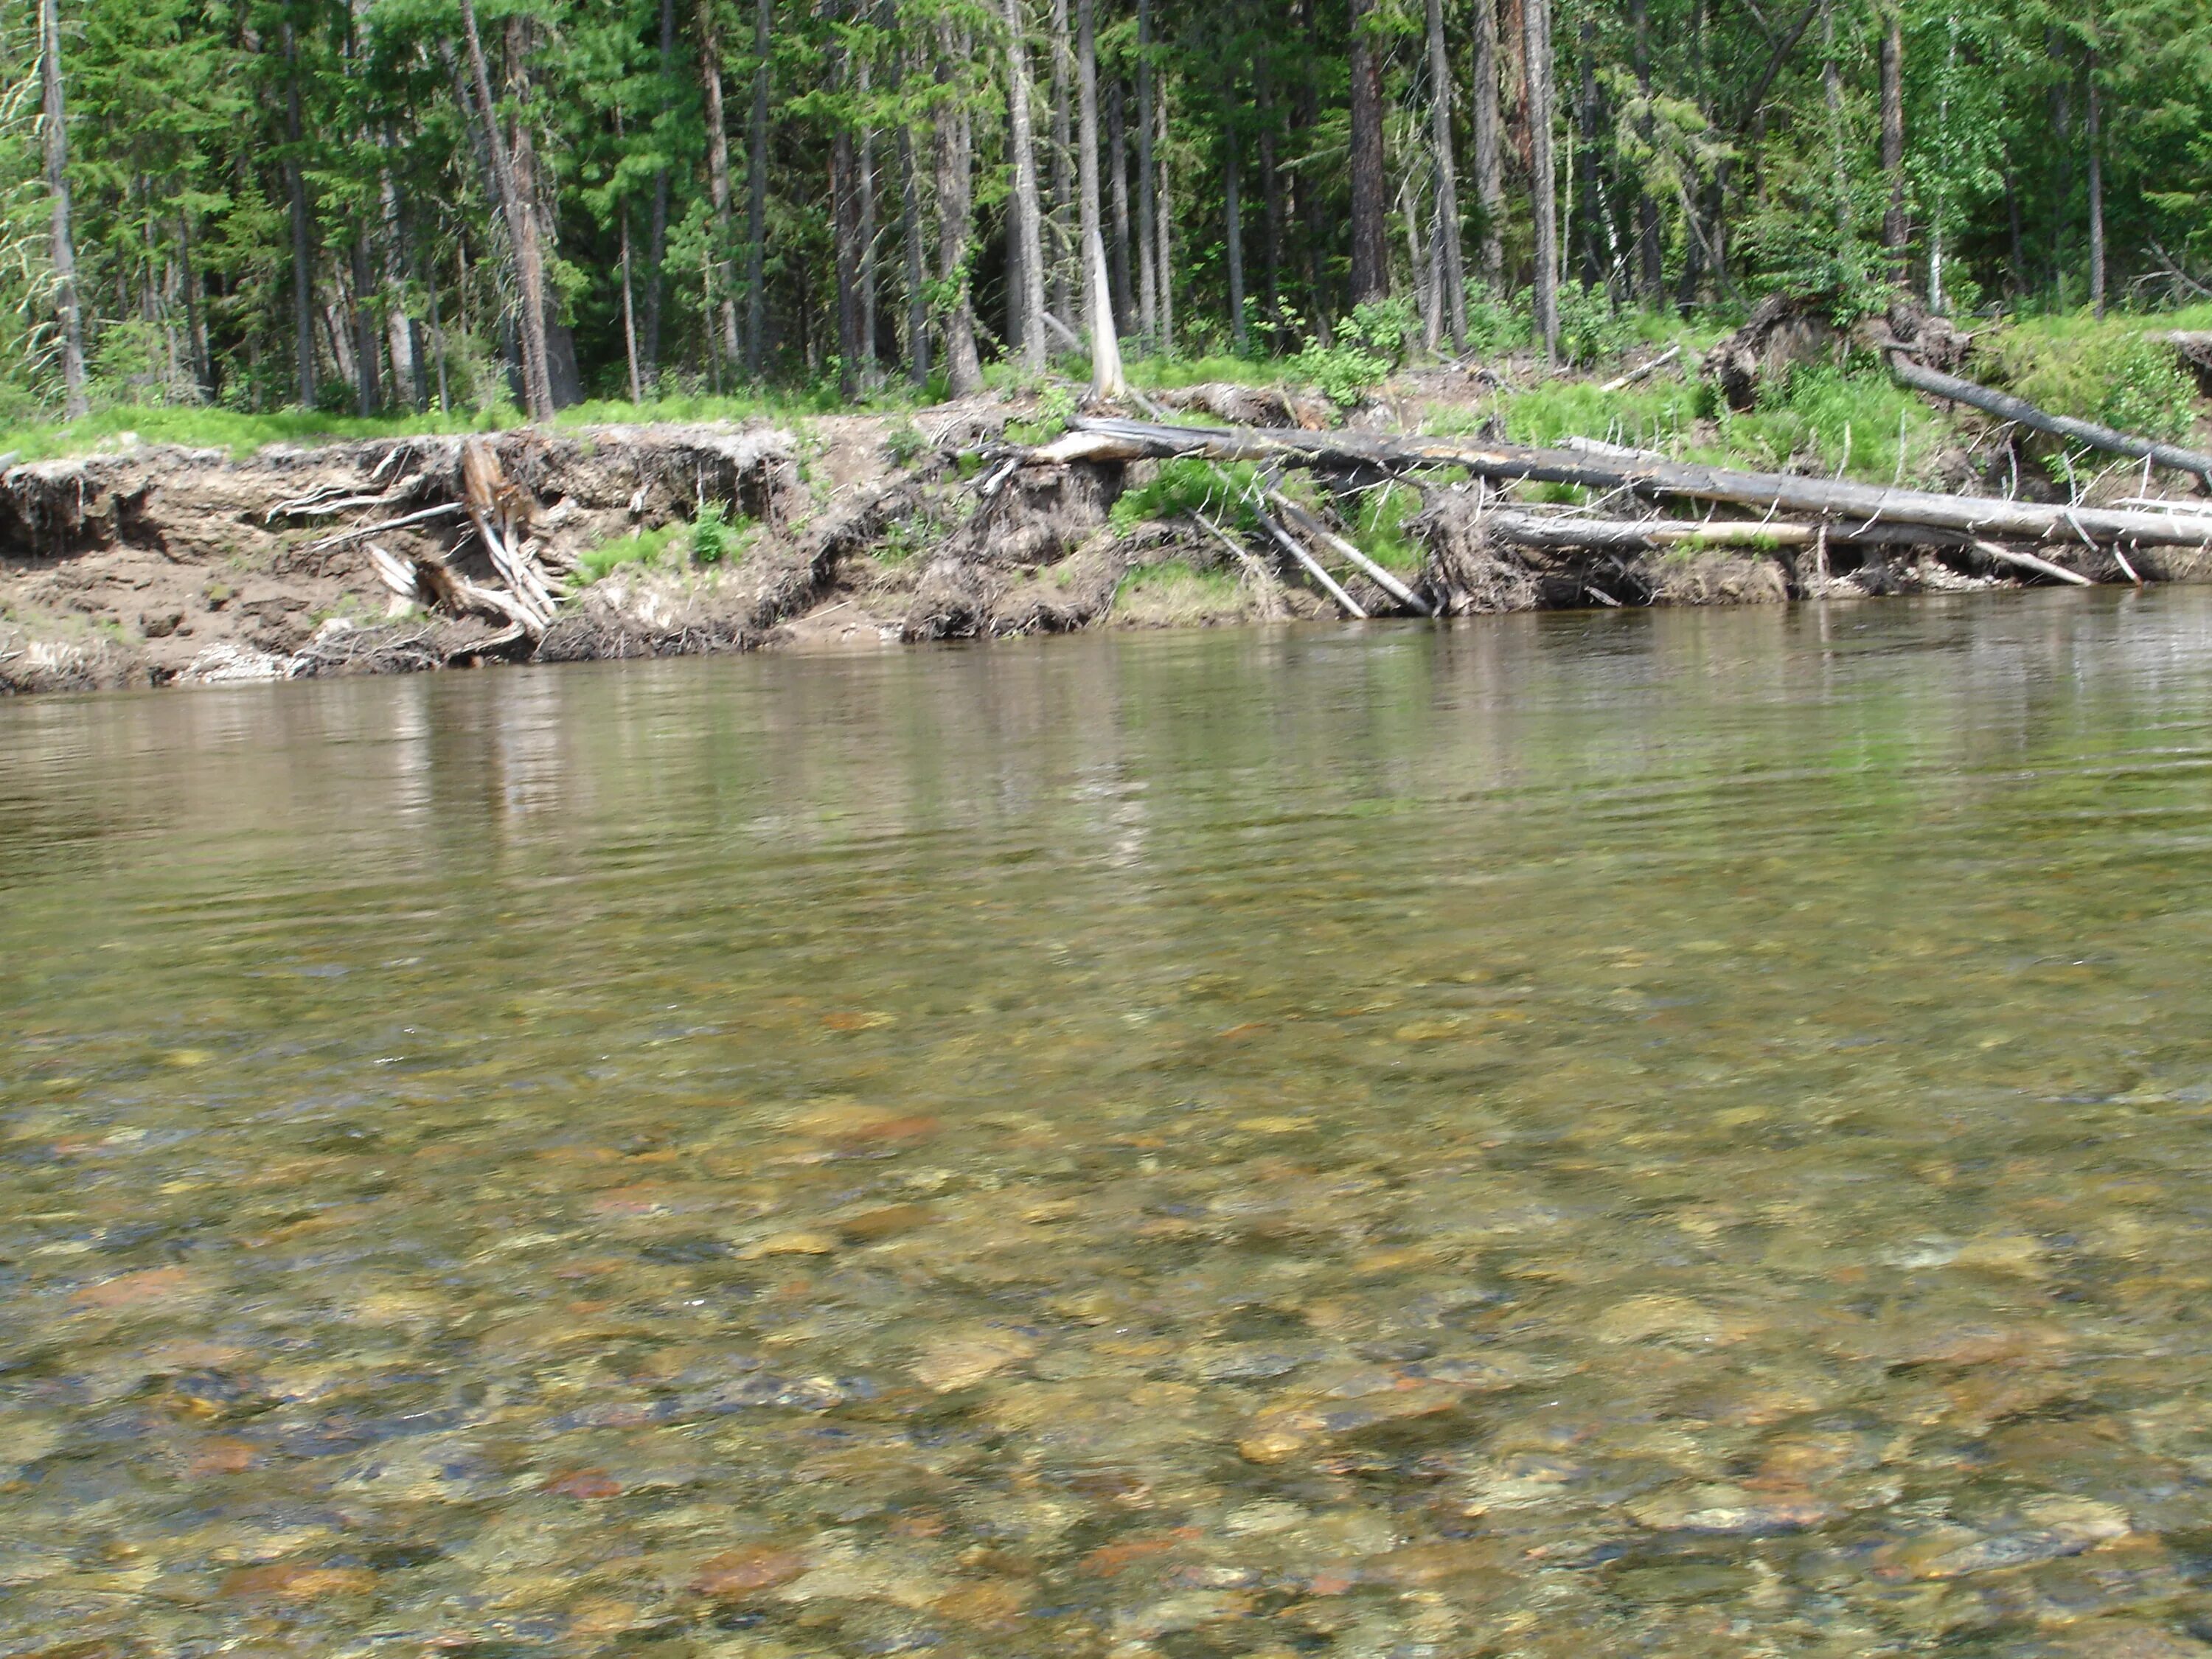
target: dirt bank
<point>151,565</point>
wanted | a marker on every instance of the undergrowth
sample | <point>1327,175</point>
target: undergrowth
<point>709,540</point>
<point>1171,593</point>
<point>2110,371</point>
<point>1186,485</point>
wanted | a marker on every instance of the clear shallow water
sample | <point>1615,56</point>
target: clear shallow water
<point>1674,1133</point>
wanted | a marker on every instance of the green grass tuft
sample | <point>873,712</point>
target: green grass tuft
<point>1185,486</point>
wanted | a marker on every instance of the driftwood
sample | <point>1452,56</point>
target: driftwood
<point>1627,380</point>
<point>1980,517</point>
<point>2007,407</point>
<point>1381,578</point>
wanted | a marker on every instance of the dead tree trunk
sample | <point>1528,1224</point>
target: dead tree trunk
<point>1654,478</point>
<point>964,369</point>
<point>2094,136</point>
<point>1536,32</point>
<point>62,252</point>
<point>1489,153</point>
<point>1097,289</point>
<point>1028,238</point>
<point>2006,407</point>
<point>1451,262</point>
<point>512,176</point>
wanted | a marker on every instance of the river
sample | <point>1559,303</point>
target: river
<point>1675,1132</point>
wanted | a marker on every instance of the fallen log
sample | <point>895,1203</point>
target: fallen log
<point>1867,506</point>
<point>1381,578</point>
<point>2005,406</point>
<point>1572,534</point>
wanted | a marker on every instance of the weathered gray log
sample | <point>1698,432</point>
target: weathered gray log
<point>1571,534</point>
<point>1837,502</point>
<point>1381,578</point>
<point>2005,406</point>
<point>1312,566</point>
<point>2013,555</point>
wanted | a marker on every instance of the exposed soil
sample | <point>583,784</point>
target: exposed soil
<point>158,565</point>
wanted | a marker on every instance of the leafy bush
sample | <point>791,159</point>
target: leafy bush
<point>1591,327</point>
<point>711,538</point>
<point>1370,344</point>
<point>1055,407</point>
<point>1859,421</point>
<point>643,547</point>
<point>1493,327</point>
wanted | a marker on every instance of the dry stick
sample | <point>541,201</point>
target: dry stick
<point>1381,578</point>
<point>1967,515</point>
<point>2029,561</point>
<point>447,511</point>
<point>1260,571</point>
<point>1312,566</point>
<point>2009,408</point>
<point>1645,373</point>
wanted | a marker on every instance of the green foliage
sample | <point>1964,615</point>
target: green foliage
<point>201,428</point>
<point>1591,327</point>
<point>1369,345</point>
<point>709,540</point>
<point>905,442</point>
<point>1493,328</point>
<point>1055,408</point>
<point>1179,488</point>
<point>712,539</point>
<point>1653,415</point>
<point>1378,528</point>
<point>1856,421</point>
<point>2109,372</point>
<point>643,547</point>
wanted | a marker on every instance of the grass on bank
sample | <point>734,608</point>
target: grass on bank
<point>709,541</point>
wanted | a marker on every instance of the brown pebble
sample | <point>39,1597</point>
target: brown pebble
<point>583,1483</point>
<point>746,1571</point>
<point>286,1581</point>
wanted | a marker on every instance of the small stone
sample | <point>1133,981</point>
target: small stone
<point>989,1602</point>
<point>957,1362</point>
<point>289,1582</point>
<point>795,1244</point>
<point>583,1483</point>
<point>1726,1509</point>
<point>738,1573</point>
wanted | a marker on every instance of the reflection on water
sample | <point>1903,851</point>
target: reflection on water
<point>1682,1133</point>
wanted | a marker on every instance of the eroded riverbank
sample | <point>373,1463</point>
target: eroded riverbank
<point>154,566</point>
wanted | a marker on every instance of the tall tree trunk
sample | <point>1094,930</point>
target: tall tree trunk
<point>1451,258</point>
<point>870,282</point>
<point>1894,231</point>
<point>1027,302</point>
<point>964,369</point>
<point>1117,182</point>
<point>1063,253</point>
<point>195,314</point>
<point>1097,289</point>
<point>368,389</point>
<point>845,215</point>
<point>1537,36</point>
<point>1232,214</point>
<point>303,256</point>
<point>1489,148</point>
<point>1587,206</point>
<point>1148,266</point>
<point>403,339</point>
<point>1370,236</point>
<point>1271,200</point>
<point>656,234</point>
<point>2095,133</point>
<point>756,205</point>
<point>629,314</point>
<point>1650,277</point>
<point>63,254</point>
<point>1832,85</point>
<point>718,184</point>
<point>909,185</point>
<point>513,174</point>
<point>1163,236</point>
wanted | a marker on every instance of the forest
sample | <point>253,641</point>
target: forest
<point>509,207</point>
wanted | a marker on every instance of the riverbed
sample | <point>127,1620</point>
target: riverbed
<point>1680,1133</point>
